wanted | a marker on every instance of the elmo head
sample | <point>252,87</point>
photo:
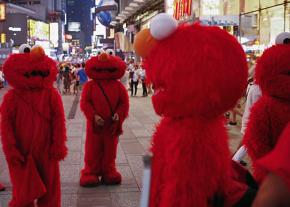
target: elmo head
<point>105,66</point>
<point>273,69</point>
<point>195,70</point>
<point>30,69</point>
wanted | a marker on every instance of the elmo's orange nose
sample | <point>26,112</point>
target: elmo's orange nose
<point>37,52</point>
<point>103,57</point>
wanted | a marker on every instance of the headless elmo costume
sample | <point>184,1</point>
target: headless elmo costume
<point>198,73</point>
<point>33,123</point>
<point>270,115</point>
<point>105,104</point>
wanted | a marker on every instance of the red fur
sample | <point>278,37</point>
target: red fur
<point>101,142</point>
<point>33,112</point>
<point>271,113</point>
<point>198,72</point>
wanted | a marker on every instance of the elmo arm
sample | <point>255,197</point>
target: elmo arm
<point>58,149</point>
<point>9,141</point>
<point>86,103</point>
<point>123,105</point>
<point>258,136</point>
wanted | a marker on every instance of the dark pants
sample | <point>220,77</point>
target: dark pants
<point>134,86</point>
<point>131,86</point>
<point>144,88</point>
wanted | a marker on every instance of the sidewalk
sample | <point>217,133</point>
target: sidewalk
<point>138,130</point>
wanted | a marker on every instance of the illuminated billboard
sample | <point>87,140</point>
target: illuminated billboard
<point>74,26</point>
<point>53,34</point>
<point>2,11</point>
<point>182,8</point>
<point>38,30</point>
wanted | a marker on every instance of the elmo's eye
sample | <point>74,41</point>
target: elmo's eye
<point>24,48</point>
<point>110,52</point>
<point>283,38</point>
<point>99,51</point>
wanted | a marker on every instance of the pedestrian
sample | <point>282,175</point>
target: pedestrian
<point>131,75</point>
<point>135,80</point>
<point>59,79</point>
<point>143,81</point>
<point>2,80</point>
<point>66,80</point>
<point>76,79</point>
<point>82,76</point>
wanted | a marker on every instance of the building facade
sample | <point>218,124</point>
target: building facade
<point>79,23</point>
<point>255,23</point>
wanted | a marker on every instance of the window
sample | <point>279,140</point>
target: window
<point>287,18</point>
<point>271,24</point>
<point>249,36</point>
<point>249,5</point>
<point>268,3</point>
<point>231,7</point>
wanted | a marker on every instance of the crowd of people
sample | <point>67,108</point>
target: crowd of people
<point>72,77</point>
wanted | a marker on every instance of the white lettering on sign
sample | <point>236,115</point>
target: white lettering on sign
<point>14,29</point>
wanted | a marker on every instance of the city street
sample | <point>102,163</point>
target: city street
<point>134,142</point>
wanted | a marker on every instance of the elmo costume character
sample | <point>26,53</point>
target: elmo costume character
<point>198,73</point>
<point>33,128</point>
<point>271,113</point>
<point>105,103</point>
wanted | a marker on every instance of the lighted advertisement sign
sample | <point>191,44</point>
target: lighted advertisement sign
<point>2,11</point>
<point>74,26</point>
<point>169,7</point>
<point>182,8</point>
<point>38,30</point>
<point>53,34</point>
<point>15,29</point>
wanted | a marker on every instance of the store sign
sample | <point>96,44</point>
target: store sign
<point>54,34</point>
<point>38,30</point>
<point>2,11</point>
<point>15,29</point>
<point>182,8</point>
<point>74,26</point>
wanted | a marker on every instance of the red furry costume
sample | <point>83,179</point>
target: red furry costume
<point>277,161</point>
<point>101,141</point>
<point>271,113</point>
<point>198,73</point>
<point>33,110</point>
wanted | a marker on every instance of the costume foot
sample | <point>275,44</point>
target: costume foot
<point>89,181</point>
<point>2,188</point>
<point>112,178</point>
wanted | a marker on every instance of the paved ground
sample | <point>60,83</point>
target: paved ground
<point>133,143</point>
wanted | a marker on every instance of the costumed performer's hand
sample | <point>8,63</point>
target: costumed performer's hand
<point>273,192</point>
<point>116,117</point>
<point>58,153</point>
<point>15,157</point>
<point>99,120</point>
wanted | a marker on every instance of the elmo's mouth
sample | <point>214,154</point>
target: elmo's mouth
<point>106,70</point>
<point>36,73</point>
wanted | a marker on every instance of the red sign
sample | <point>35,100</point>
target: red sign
<point>182,8</point>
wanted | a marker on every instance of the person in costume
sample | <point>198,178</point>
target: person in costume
<point>105,104</point>
<point>271,113</point>
<point>33,129</point>
<point>275,189</point>
<point>198,73</point>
